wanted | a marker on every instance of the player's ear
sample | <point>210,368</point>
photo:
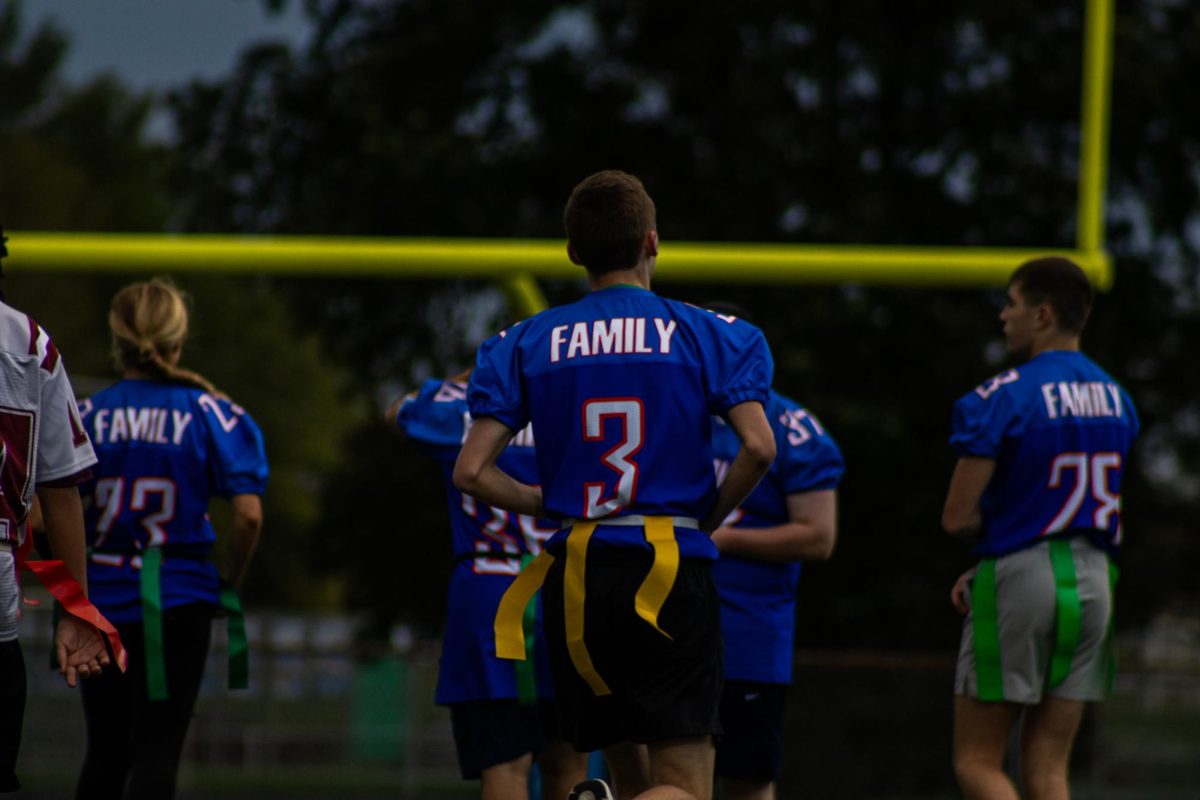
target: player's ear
<point>1044,315</point>
<point>651,243</point>
<point>571,254</point>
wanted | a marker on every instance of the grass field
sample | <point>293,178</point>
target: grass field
<point>315,724</point>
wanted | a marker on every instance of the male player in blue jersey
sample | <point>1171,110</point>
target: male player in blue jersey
<point>790,517</point>
<point>620,386</point>
<point>1042,451</point>
<point>499,709</point>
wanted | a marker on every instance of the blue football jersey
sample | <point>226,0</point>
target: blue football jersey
<point>620,386</point>
<point>164,451</point>
<point>488,545</point>
<point>758,598</point>
<point>1059,429</point>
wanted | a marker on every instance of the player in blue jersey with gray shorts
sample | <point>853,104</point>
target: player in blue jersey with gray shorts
<point>500,710</point>
<point>790,517</point>
<point>1042,451</point>
<point>620,387</point>
<point>167,444</point>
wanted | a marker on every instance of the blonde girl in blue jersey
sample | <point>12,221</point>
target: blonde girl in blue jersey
<point>167,442</point>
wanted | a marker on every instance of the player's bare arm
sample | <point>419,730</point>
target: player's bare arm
<point>809,534</point>
<point>78,645</point>
<point>393,410</point>
<point>247,528</point>
<point>961,516</point>
<point>476,473</point>
<point>753,460</point>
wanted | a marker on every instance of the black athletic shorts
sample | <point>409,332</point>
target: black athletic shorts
<point>492,732</point>
<point>661,688</point>
<point>750,747</point>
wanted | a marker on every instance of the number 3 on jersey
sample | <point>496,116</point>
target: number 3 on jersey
<point>630,413</point>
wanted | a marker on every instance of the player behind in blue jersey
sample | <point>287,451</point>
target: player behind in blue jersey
<point>790,517</point>
<point>500,711</point>
<point>1042,451</point>
<point>167,443</point>
<point>620,387</point>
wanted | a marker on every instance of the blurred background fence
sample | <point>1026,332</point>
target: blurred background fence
<point>320,721</point>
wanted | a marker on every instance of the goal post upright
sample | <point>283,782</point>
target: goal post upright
<point>1094,124</point>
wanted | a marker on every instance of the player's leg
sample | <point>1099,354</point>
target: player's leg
<point>981,734</point>
<point>1007,644</point>
<point>678,696</point>
<point>12,673</point>
<point>12,711</point>
<point>666,793</point>
<point>749,750</point>
<point>108,718</point>
<point>1049,728</point>
<point>1047,736</point>
<point>495,741</point>
<point>562,767</point>
<point>160,726</point>
<point>588,720</point>
<point>629,766</point>
<point>508,780</point>
<point>599,790</point>
<point>734,789</point>
<point>685,763</point>
<point>664,689</point>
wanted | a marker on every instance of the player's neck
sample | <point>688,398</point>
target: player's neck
<point>638,276</point>
<point>1056,341</point>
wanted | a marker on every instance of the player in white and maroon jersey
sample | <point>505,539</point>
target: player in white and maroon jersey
<point>43,450</point>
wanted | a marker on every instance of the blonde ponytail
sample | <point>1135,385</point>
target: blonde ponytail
<point>149,322</point>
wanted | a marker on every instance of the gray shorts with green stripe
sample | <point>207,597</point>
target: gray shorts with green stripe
<point>1040,623</point>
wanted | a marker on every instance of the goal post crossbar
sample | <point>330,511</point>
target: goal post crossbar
<point>497,259</point>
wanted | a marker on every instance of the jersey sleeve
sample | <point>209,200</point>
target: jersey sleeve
<point>239,460</point>
<point>983,416</point>
<point>496,388</point>
<point>740,365</point>
<point>435,415</point>
<point>807,457</point>
<point>64,449</point>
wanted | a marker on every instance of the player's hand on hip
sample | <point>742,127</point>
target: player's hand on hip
<point>960,595</point>
<point>80,649</point>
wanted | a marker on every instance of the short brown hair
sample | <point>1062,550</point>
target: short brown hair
<point>607,218</point>
<point>1061,283</point>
